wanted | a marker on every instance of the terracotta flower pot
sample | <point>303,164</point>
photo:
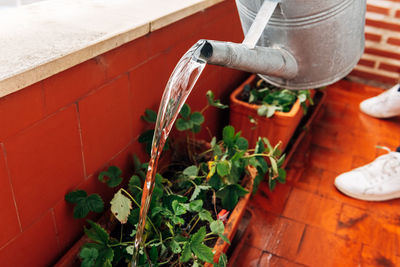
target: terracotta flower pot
<point>280,127</point>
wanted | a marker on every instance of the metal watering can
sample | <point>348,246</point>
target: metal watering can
<point>296,44</point>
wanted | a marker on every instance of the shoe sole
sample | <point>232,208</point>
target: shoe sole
<point>370,198</point>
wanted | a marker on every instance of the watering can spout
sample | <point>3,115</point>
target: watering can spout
<point>262,60</point>
<point>295,44</point>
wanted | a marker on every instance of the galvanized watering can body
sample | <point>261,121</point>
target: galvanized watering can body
<point>325,38</point>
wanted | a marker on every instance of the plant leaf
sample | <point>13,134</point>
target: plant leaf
<point>228,134</point>
<point>130,249</point>
<point>195,194</point>
<point>242,143</point>
<point>214,102</point>
<point>222,262</point>
<point>105,257</point>
<point>230,194</point>
<point>274,165</point>
<point>84,203</point>
<point>178,208</point>
<point>205,215</point>
<point>182,125</point>
<point>271,111</point>
<point>121,207</point>
<point>281,160</point>
<point>150,116</point>
<point>186,253</point>
<point>95,203</point>
<point>271,184</point>
<point>262,110</point>
<point>223,237</point>
<point>199,236</point>
<point>97,233</point>
<point>88,256</point>
<point>134,183</point>
<point>191,171</point>
<point>114,176</point>
<point>75,196</point>
<point>146,136</point>
<point>185,111</point>
<point>196,205</point>
<point>217,227</point>
<point>197,118</point>
<point>203,252</point>
<point>282,176</point>
<point>137,165</point>
<point>153,254</point>
<point>175,247</point>
<point>223,168</point>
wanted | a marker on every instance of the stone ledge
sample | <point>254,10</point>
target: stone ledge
<point>45,38</point>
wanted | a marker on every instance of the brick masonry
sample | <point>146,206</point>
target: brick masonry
<point>58,134</point>
<point>380,64</point>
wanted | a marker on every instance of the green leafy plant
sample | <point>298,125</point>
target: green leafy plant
<point>182,224</point>
<point>187,121</point>
<point>84,203</point>
<point>272,98</point>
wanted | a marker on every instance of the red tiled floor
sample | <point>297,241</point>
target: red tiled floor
<point>308,222</point>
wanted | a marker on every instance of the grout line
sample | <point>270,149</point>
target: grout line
<point>11,186</point>
<point>338,217</point>
<point>53,216</point>
<point>287,199</point>
<point>34,222</point>
<point>131,109</point>
<point>81,139</point>
<point>301,239</point>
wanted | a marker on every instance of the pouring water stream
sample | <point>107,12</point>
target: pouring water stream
<point>179,86</point>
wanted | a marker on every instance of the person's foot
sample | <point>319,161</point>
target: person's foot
<point>385,105</point>
<point>376,181</point>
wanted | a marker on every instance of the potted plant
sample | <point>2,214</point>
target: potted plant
<point>260,109</point>
<point>187,223</point>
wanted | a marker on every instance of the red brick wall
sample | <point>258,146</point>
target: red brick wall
<point>381,60</point>
<point>58,134</point>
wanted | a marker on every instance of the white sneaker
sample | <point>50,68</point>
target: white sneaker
<point>376,181</point>
<point>385,105</point>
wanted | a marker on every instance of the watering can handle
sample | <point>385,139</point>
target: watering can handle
<point>259,23</point>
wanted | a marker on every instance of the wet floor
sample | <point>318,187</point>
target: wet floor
<point>307,222</point>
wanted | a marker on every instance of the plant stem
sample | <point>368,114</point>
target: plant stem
<point>204,109</point>
<point>194,225</point>
<point>257,155</point>
<point>122,230</point>
<point>214,201</point>
<point>137,204</point>
<point>211,238</point>
<point>192,220</point>
<point>122,244</point>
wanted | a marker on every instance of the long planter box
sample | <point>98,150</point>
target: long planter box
<point>71,258</point>
<point>280,127</point>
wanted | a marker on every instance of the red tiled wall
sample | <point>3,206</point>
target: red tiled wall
<point>381,60</point>
<point>58,134</point>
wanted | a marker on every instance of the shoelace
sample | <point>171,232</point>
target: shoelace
<point>389,169</point>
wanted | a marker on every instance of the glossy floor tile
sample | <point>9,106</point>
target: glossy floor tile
<point>307,222</point>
